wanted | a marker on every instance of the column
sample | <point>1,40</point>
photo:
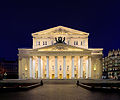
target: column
<point>86,71</point>
<point>20,68</point>
<point>39,69</point>
<point>41,66</point>
<point>47,67</point>
<point>89,66</point>
<point>30,67</point>
<point>33,69</point>
<point>72,66</point>
<point>56,68</point>
<point>64,67</point>
<point>81,67</point>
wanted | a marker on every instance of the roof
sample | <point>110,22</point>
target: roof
<point>60,30</point>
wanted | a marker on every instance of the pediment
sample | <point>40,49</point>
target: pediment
<point>60,30</point>
<point>62,47</point>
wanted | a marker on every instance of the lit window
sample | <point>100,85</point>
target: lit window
<point>94,68</point>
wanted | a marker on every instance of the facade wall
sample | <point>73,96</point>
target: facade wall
<point>96,67</point>
<point>82,41</point>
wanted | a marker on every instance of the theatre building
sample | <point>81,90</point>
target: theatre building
<point>60,53</point>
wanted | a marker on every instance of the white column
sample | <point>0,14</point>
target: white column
<point>89,66</point>
<point>39,69</point>
<point>47,67</point>
<point>56,68</point>
<point>33,69</point>
<point>41,66</point>
<point>86,68</point>
<point>30,67</point>
<point>72,66</point>
<point>64,67</point>
<point>81,67</point>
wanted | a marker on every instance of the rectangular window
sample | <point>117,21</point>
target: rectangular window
<point>44,42</point>
<point>67,68</point>
<point>81,42</point>
<point>52,67</point>
<point>75,42</point>
<point>60,68</point>
<point>39,43</point>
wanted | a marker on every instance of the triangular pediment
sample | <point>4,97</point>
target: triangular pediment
<point>60,30</point>
<point>62,47</point>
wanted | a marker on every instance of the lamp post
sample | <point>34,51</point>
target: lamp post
<point>5,75</point>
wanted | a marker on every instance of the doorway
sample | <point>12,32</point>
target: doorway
<point>60,76</point>
<point>53,76</point>
<point>67,76</point>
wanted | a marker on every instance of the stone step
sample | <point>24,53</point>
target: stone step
<point>59,81</point>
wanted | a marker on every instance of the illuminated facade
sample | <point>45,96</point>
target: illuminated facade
<point>69,59</point>
<point>112,64</point>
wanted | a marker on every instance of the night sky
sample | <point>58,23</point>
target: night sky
<point>18,20</point>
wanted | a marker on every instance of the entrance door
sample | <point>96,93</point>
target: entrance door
<point>53,76</point>
<point>60,76</point>
<point>75,76</point>
<point>67,76</point>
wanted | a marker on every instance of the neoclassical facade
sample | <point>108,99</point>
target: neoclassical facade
<point>60,53</point>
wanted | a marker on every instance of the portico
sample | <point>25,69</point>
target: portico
<point>71,63</point>
<point>48,68</point>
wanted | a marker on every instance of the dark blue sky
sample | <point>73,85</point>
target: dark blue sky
<point>101,18</point>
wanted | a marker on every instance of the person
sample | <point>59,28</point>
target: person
<point>41,82</point>
<point>77,82</point>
